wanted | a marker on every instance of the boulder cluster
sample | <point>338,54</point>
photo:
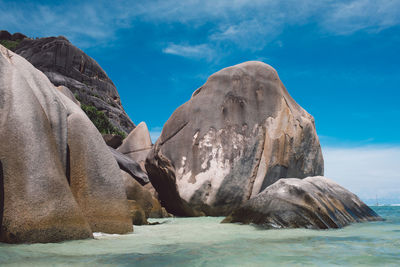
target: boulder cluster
<point>241,147</point>
<point>59,179</point>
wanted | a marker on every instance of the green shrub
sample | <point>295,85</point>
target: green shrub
<point>100,120</point>
<point>9,44</point>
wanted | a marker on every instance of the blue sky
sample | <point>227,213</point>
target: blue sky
<point>340,61</point>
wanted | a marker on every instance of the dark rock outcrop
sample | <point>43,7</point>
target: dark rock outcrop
<point>239,133</point>
<point>5,35</point>
<point>113,140</point>
<point>313,202</point>
<point>60,181</point>
<point>64,64</point>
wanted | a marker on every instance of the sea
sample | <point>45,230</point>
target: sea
<point>204,241</point>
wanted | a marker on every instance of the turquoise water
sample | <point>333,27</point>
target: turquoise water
<point>205,242</point>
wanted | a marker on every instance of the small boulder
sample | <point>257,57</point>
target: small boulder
<point>313,202</point>
<point>137,144</point>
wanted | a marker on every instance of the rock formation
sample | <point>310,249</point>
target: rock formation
<point>239,133</point>
<point>314,202</point>
<point>59,181</point>
<point>137,144</point>
<point>64,64</point>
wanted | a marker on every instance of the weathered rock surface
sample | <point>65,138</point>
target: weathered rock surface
<point>239,133</point>
<point>137,144</point>
<point>37,204</point>
<point>64,64</point>
<point>59,181</point>
<point>314,202</point>
<point>130,166</point>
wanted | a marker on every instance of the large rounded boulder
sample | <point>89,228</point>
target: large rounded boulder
<point>314,203</point>
<point>239,133</point>
<point>58,179</point>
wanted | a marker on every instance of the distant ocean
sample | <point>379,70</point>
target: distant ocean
<point>205,242</point>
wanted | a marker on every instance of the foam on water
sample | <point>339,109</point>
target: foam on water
<point>204,241</point>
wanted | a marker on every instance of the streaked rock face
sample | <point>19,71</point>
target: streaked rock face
<point>314,202</point>
<point>239,133</point>
<point>59,181</point>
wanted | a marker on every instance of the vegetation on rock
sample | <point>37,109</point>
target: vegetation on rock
<point>10,44</point>
<point>101,121</point>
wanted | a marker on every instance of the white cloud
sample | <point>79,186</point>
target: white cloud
<point>190,51</point>
<point>368,171</point>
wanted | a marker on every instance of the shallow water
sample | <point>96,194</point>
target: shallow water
<point>205,242</point>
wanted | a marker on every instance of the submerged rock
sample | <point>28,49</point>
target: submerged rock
<point>59,181</point>
<point>239,133</point>
<point>313,202</point>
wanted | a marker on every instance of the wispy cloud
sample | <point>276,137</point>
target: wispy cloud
<point>249,24</point>
<point>190,51</point>
<point>371,15</point>
<point>369,171</point>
